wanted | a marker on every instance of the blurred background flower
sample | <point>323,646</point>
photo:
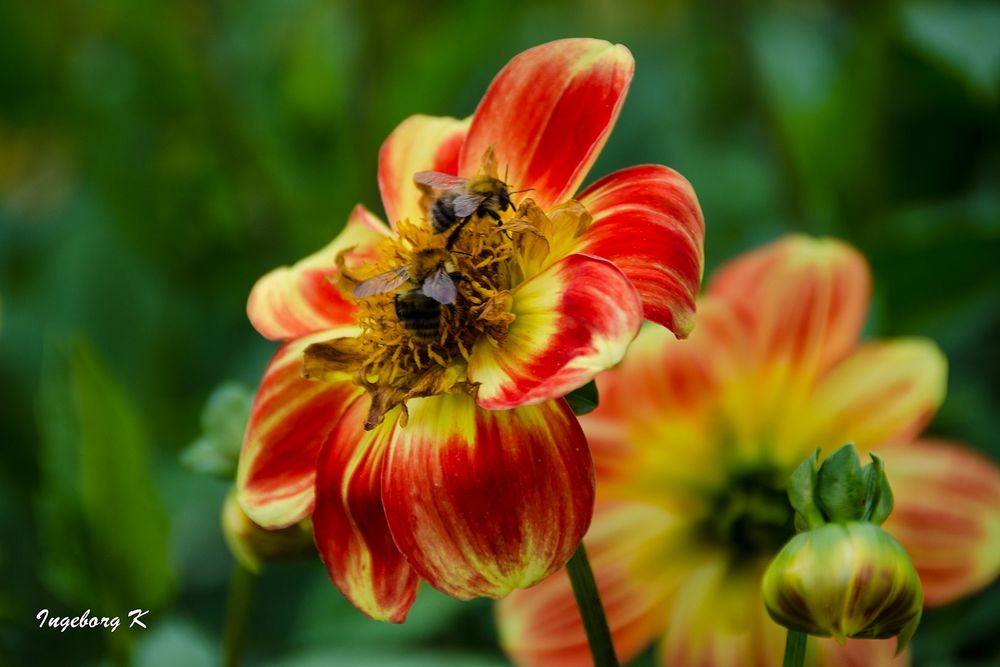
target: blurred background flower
<point>694,443</point>
<point>156,158</point>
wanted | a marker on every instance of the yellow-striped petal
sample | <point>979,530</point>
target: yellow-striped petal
<point>419,143</point>
<point>572,321</point>
<point>482,502</point>
<point>293,301</point>
<point>883,391</point>
<point>352,534</point>
<point>289,421</point>
<point>947,515</point>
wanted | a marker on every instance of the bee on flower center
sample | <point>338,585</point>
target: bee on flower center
<point>431,276</point>
<point>455,200</point>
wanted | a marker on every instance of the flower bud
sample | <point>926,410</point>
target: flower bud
<point>846,580</point>
<point>251,544</point>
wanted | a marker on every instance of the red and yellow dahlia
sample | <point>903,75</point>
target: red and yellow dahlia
<point>693,444</point>
<point>453,458</point>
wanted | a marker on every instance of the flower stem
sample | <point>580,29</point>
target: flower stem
<point>795,649</point>
<point>588,601</point>
<point>241,586</point>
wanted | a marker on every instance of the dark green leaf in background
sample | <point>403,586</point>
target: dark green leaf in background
<point>104,526</point>
<point>223,421</point>
<point>583,399</point>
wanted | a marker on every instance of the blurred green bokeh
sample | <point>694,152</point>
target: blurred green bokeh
<point>157,157</point>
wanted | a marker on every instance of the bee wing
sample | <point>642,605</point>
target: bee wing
<point>440,286</point>
<point>438,180</point>
<point>465,205</point>
<point>383,282</point>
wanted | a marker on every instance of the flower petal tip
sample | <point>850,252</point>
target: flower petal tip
<point>466,524</point>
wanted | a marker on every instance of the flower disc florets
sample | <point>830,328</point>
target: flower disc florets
<point>486,257</point>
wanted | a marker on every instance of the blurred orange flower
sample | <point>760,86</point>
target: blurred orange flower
<point>694,441</point>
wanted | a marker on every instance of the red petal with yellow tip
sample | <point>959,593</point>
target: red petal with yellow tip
<point>572,321</point>
<point>350,526</point>
<point>541,626</point>
<point>946,515</point>
<point>810,296</point>
<point>548,114</point>
<point>289,421</point>
<point>293,301</point>
<point>648,222</point>
<point>482,502</point>
<point>419,143</point>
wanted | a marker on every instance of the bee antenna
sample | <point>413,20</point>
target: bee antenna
<point>459,252</point>
<point>514,192</point>
<point>506,171</point>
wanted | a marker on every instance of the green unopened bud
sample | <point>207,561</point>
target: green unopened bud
<point>843,576</point>
<point>845,580</point>
<point>251,544</point>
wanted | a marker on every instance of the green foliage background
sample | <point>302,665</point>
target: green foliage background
<point>157,157</point>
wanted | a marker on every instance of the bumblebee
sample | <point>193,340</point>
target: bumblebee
<point>457,199</point>
<point>432,286</point>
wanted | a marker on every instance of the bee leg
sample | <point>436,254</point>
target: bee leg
<point>497,219</point>
<point>453,236</point>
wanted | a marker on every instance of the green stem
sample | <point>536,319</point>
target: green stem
<point>588,601</point>
<point>795,649</point>
<point>241,586</point>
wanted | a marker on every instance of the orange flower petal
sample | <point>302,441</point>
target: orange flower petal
<point>289,420</point>
<point>947,515</point>
<point>483,502</point>
<point>882,391</point>
<point>857,653</point>
<point>573,320</point>
<point>648,222</point>
<point>810,296</point>
<point>667,390</point>
<point>419,143</point>
<point>719,620</point>
<point>352,534</point>
<point>541,625</point>
<point>293,301</point>
<point>548,114</point>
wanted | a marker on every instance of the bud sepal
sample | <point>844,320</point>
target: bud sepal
<point>252,544</point>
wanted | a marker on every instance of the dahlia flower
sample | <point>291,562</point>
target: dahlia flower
<point>453,458</point>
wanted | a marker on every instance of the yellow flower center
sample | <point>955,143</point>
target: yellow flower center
<point>421,350</point>
<point>432,294</point>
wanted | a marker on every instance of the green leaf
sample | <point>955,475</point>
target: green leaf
<point>99,491</point>
<point>842,485</point>
<point>802,494</point>
<point>583,399</point>
<point>961,37</point>
<point>223,421</point>
<point>65,566</point>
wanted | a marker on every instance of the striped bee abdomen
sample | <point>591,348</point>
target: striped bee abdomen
<point>443,213</point>
<point>419,313</point>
